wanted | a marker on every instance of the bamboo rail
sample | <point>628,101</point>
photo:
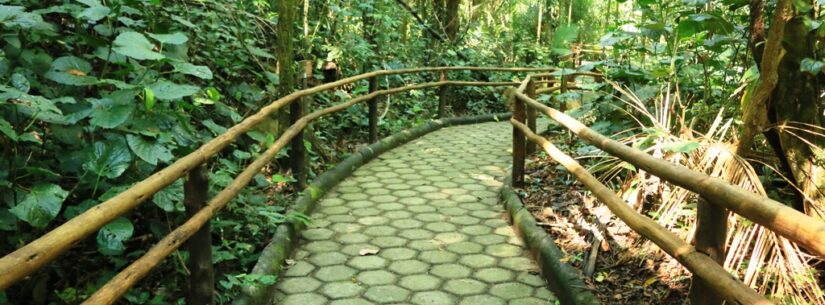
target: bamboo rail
<point>723,283</point>
<point>710,286</point>
<point>785,221</point>
<point>33,256</point>
<point>128,277</point>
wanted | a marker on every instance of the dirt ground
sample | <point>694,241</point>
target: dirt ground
<point>625,269</point>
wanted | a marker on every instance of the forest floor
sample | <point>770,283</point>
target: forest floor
<point>626,268</point>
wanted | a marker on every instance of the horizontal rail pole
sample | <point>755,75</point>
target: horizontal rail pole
<point>548,90</point>
<point>698,263</point>
<point>36,254</point>
<point>120,284</point>
<point>785,221</point>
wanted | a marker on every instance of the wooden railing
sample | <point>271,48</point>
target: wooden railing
<point>711,282</point>
<point>24,261</point>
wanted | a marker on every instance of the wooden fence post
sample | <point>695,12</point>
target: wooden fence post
<point>199,246</point>
<point>531,115</point>
<point>563,85</point>
<point>298,153</point>
<point>710,236</point>
<point>519,140</point>
<point>373,112</point>
<point>443,95</point>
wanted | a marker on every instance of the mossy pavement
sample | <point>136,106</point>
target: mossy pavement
<point>420,224</point>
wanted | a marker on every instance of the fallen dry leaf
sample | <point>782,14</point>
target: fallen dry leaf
<point>368,251</point>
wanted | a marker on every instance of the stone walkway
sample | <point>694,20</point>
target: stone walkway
<point>429,212</point>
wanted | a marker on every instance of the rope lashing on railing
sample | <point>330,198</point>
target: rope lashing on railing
<point>698,263</point>
<point>785,221</point>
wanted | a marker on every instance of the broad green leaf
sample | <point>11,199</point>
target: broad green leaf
<point>20,82</point>
<point>149,151</point>
<point>72,63</point>
<point>810,66</point>
<point>108,113</point>
<point>149,98</point>
<point>41,205</point>
<point>8,13</point>
<point>170,198</point>
<point>176,38</point>
<point>166,90</point>
<point>110,238</point>
<point>135,45</point>
<point>184,22</point>
<point>202,72</point>
<point>7,129</point>
<point>109,158</point>
<point>70,70</point>
<point>95,13</point>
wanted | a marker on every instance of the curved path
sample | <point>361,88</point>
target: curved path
<point>429,210</point>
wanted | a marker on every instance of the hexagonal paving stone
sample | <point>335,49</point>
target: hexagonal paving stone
<point>518,263</point>
<point>482,299</point>
<point>531,279</point>
<point>476,261</point>
<point>490,239</point>
<point>465,247</point>
<point>353,301</point>
<point>388,241</point>
<point>304,299</point>
<point>380,231</point>
<point>352,238</point>
<point>367,262</point>
<point>298,284</point>
<point>334,273</point>
<point>355,249</point>
<point>322,246</point>
<point>493,275</point>
<point>465,286</point>
<point>433,298</point>
<point>409,266</point>
<point>503,250</point>
<point>376,277</point>
<point>414,234</point>
<point>437,257</point>
<point>450,271</point>
<point>511,290</point>
<point>373,220</point>
<point>328,259</point>
<point>397,254</point>
<point>423,245</point>
<point>440,227</point>
<point>387,294</point>
<point>397,214</point>
<point>346,227</point>
<point>337,290</point>
<point>317,234</point>
<point>450,238</point>
<point>406,223</point>
<point>300,268</point>
<point>430,217</point>
<point>476,230</point>
<point>420,282</point>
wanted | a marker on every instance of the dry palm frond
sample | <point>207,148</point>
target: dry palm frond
<point>762,259</point>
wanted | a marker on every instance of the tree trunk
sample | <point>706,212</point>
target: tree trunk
<point>452,19</point>
<point>794,110</point>
<point>285,53</point>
